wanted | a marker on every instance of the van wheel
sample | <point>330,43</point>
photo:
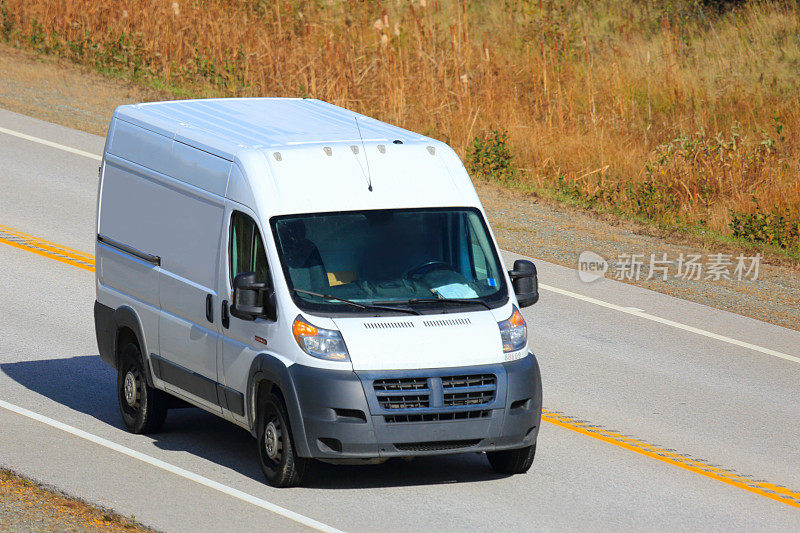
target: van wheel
<point>143,408</point>
<point>516,461</point>
<point>276,451</point>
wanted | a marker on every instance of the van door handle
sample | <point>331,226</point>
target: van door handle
<point>210,308</point>
<point>226,318</point>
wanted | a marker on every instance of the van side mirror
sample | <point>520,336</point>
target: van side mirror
<point>252,299</point>
<point>525,282</point>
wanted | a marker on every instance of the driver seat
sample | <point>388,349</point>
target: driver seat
<point>302,257</point>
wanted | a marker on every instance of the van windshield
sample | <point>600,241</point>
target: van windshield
<point>428,260</point>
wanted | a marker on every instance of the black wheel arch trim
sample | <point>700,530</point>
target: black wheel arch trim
<point>108,323</point>
<point>268,368</point>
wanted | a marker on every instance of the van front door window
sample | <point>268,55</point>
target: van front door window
<point>247,249</point>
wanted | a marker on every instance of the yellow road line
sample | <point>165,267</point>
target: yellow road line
<point>766,489</point>
<point>698,466</point>
<point>46,248</point>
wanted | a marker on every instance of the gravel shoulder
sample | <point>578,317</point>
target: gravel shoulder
<point>559,234</point>
<point>26,506</point>
<point>77,97</point>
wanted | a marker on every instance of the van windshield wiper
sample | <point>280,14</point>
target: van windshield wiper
<point>442,300</point>
<point>357,304</point>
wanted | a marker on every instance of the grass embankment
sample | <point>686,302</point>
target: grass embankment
<point>26,506</point>
<point>668,111</point>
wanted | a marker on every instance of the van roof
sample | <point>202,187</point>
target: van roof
<point>226,126</point>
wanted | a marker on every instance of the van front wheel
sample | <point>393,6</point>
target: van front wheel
<point>516,461</point>
<point>276,452</point>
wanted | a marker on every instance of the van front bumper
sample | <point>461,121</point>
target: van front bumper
<point>345,417</point>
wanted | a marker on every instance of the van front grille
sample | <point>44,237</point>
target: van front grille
<point>436,446</point>
<point>400,384</point>
<point>476,380</point>
<point>435,393</point>
<point>468,398</point>
<point>437,417</point>
<point>404,401</point>
<point>402,393</point>
<point>476,389</point>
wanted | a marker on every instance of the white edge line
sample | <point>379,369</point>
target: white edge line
<point>50,144</point>
<point>563,292</point>
<point>286,513</point>
<point>648,316</point>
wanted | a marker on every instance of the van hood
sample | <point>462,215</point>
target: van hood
<point>427,341</point>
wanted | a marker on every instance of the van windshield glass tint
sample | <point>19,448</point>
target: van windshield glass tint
<point>405,258</point>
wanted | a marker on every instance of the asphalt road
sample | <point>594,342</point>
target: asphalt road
<point>662,414</point>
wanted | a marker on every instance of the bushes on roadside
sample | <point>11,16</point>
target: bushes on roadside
<point>777,228</point>
<point>490,158</point>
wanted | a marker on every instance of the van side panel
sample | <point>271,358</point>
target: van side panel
<point>191,221</point>
<point>181,225</point>
<point>122,277</point>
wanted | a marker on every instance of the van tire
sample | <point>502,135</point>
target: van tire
<point>276,451</point>
<point>142,407</point>
<point>516,461</point>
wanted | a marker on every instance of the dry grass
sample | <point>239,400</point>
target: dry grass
<point>26,506</point>
<point>652,108</point>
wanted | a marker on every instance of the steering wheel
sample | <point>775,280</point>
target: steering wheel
<point>429,266</point>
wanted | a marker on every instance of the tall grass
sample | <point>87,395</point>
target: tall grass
<point>656,108</point>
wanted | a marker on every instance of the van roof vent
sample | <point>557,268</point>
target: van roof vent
<point>277,156</point>
<point>447,322</point>
<point>388,325</point>
<point>328,150</point>
<point>354,148</point>
<point>432,150</point>
<point>382,148</point>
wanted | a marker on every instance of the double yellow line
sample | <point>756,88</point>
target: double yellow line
<point>47,249</point>
<point>698,466</point>
<point>766,489</point>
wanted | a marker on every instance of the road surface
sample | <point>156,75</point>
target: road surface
<point>660,413</point>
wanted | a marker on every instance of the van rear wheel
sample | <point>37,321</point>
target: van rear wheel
<point>516,461</point>
<point>276,452</point>
<point>143,408</point>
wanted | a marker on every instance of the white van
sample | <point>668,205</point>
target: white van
<point>327,281</point>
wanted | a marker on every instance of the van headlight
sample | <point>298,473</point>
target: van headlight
<point>513,332</point>
<point>317,342</point>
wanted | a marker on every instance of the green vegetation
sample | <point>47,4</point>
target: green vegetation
<point>490,158</point>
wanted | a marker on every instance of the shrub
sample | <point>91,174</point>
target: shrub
<point>776,227</point>
<point>6,21</point>
<point>491,159</point>
<point>721,6</point>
